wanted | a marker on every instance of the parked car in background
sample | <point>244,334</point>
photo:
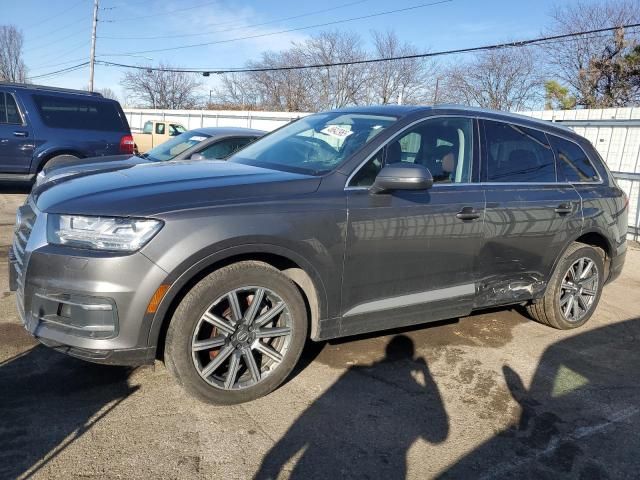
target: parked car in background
<point>156,132</point>
<point>39,124</point>
<point>340,223</point>
<point>215,143</point>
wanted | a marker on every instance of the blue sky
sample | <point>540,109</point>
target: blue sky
<point>57,33</point>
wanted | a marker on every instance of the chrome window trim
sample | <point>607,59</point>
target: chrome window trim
<point>406,127</point>
<point>480,117</point>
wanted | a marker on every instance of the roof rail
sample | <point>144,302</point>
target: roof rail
<point>51,89</point>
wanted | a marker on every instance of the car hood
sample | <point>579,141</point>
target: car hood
<point>54,172</point>
<point>154,188</point>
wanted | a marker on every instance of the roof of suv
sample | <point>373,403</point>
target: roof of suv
<point>50,89</point>
<point>404,110</point>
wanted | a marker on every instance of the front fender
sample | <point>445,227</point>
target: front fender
<point>202,261</point>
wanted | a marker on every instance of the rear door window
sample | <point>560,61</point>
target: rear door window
<point>573,164</point>
<point>9,113</point>
<point>79,113</point>
<point>514,153</point>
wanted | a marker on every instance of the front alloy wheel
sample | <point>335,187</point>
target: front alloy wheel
<point>241,338</point>
<point>237,334</point>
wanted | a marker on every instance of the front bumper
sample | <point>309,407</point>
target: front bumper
<point>91,305</point>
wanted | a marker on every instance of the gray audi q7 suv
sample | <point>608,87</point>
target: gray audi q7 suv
<point>343,222</point>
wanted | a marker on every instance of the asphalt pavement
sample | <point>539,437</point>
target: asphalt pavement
<point>493,395</point>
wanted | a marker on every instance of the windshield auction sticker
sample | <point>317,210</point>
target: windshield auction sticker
<point>336,131</point>
<point>197,138</point>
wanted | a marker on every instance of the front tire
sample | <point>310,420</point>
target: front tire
<point>225,348</point>
<point>574,290</point>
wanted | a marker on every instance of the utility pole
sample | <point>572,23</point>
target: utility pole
<point>92,59</point>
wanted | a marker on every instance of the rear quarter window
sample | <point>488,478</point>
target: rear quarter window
<point>79,113</point>
<point>517,154</point>
<point>573,163</point>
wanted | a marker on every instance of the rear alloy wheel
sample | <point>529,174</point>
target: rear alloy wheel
<point>244,343</point>
<point>578,289</point>
<point>574,289</point>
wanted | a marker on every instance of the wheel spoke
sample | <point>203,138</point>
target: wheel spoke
<point>252,366</point>
<point>209,343</point>
<point>567,309</point>
<point>267,350</point>
<point>236,311</point>
<point>217,361</point>
<point>589,291</point>
<point>579,268</point>
<point>267,316</point>
<point>254,308</point>
<point>568,286</point>
<point>582,303</point>
<point>273,332</point>
<point>218,322</point>
<point>565,299</point>
<point>586,270</point>
<point>234,366</point>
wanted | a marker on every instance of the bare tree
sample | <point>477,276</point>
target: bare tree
<point>407,81</point>
<point>340,85</point>
<point>107,93</point>
<point>585,63</point>
<point>161,88</point>
<point>12,67</point>
<point>496,79</point>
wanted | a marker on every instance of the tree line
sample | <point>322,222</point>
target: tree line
<point>589,71</point>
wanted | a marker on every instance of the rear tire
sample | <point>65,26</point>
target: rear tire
<point>57,161</point>
<point>574,290</point>
<point>222,349</point>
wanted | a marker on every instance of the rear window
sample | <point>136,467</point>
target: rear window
<point>573,163</point>
<point>79,113</point>
<point>517,154</point>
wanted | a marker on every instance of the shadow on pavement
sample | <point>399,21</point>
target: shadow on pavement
<point>48,401</point>
<point>580,415</point>
<point>364,424</point>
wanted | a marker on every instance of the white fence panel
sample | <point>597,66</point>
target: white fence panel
<point>615,132</point>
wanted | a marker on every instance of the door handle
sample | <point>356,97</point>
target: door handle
<point>20,134</point>
<point>564,209</point>
<point>467,213</point>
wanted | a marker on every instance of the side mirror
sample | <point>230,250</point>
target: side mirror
<point>197,156</point>
<point>402,176</point>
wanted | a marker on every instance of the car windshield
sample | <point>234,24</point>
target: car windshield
<point>175,146</point>
<point>175,129</point>
<point>315,144</point>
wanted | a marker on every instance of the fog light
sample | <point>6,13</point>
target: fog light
<point>83,316</point>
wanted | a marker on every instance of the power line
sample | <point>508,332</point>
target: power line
<point>169,12</point>
<point>49,18</point>
<point>497,46</point>
<point>56,30</point>
<point>55,42</point>
<point>239,27</point>
<point>64,70</point>
<point>182,47</point>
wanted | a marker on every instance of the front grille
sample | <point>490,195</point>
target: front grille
<point>25,219</point>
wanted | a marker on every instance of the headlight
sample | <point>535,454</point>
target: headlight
<point>101,233</point>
